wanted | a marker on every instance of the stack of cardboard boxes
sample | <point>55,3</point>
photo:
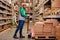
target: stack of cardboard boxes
<point>47,12</point>
<point>58,32</point>
<point>47,28</point>
<point>55,5</point>
<point>38,29</point>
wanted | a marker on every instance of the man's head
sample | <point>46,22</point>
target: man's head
<point>24,5</point>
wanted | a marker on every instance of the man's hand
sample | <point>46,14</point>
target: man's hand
<point>28,15</point>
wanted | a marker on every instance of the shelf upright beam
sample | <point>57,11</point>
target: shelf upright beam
<point>33,12</point>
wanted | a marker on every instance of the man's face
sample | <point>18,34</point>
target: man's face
<point>24,6</point>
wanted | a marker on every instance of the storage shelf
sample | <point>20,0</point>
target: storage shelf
<point>40,5</point>
<point>16,10</point>
<point>4,18</point>
<point>5,7</point>
<point>5,12</point>
<point>52,16</point>
<point>5,3</point>
<point>4,23</point>
<point>2,30</point>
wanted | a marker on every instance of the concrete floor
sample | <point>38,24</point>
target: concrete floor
<point>8,34</point>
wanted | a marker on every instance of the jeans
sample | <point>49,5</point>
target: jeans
<point>19,28</point>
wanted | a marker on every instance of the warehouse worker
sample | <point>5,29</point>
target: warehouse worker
<point>21,18</point>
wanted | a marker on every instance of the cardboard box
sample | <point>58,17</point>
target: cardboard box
<point>48,27</point>
<point>47,11</point>
<point>56,3</point>
<point>54,21</point>
<point>39,26</point>
<point>58,31</point>
<point>0,15</point>
<point>0,28</point>
<point>44,29</point>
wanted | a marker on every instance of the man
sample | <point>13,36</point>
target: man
<point>21,18</point>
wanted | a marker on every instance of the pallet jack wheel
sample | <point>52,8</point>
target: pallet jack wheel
<point>29,36</point>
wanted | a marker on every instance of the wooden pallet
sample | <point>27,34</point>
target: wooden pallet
<point>55,13</point>
<point>45,38</point>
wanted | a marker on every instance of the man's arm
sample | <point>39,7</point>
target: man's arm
<point>23,14</point>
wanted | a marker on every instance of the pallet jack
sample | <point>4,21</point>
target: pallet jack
<point>28,30</point>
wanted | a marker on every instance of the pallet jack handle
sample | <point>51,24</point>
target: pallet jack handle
<point>28,22</point>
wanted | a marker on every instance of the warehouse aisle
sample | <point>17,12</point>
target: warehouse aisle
<point>8,34</point>
<point>43,18</point>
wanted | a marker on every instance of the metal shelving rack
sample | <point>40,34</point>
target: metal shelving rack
<point>52,16</point>
<point>5,14</point>
<point>16,10</point>
<point>37,5</point>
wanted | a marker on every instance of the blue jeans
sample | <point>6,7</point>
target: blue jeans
<point>20,27</point>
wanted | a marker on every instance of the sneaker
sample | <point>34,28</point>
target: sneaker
<point>22,36</point>
<point>15,37</point>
